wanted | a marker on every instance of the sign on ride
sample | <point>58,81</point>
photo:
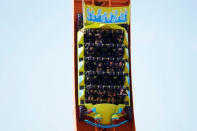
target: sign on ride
<point>107,15</point>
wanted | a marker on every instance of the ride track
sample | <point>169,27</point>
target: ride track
<point>81,125</point>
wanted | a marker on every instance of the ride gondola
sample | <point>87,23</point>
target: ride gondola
<point>102,75</point>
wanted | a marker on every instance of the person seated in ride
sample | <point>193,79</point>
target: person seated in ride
<point>108,59</point>
<point>115,36</point>
<point>120,36</point>
<point>114,52</point>
<point>111,76</point>
<point>89,48</point>
<point>111,63</point>
<point>120,78</point>
<point>98,36</point>
<point>89,73</point>
<point>90,36</point>
<point>94,80</point>
<point>105,94</point>
<point>110,70</point>
<point>99,71</point>
<point>104,51</point>
<point>90,93</point>
<point>89,77</point>
<point>90,63</point>
<point>107,68</point>
<point>120,46</point>
<point>120,66</point>
<point>117,98</point>
<point>115,79</point>
<point>88,80</point>
<point>106,78</point>
<point>116,60</point>
<point>120,39</point>
<point>107,36</point>
<point>104,63</point>
<point>120,52</point>
<point>99,66</point>
<point>90,51</point>
<point>99,59</point>
<point>86,38</point>
<point>122,94</point>
<point>99,45</point>
<point>100,92</point>
<point>111,94</point>
<point>110,47</point>
<point>89,44</point>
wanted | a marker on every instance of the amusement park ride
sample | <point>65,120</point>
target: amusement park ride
<point>102,66</point>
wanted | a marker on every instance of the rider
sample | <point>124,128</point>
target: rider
<point>90,63</point>
<point>111,94</point>
<point>90,93</point>
<point>120,66</point>
<point>89,77</point>
<point>100,92</point>
<point>122,94</point>
<point>117,97</point>
<point>98,43</point>
<point>120,36</point>
<point>120,52</point>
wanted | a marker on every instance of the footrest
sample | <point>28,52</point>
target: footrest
<point>105,126</point>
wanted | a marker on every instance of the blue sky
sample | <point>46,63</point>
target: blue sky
<point>36,65</point>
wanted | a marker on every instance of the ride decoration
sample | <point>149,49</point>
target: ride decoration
<point>107,15</point>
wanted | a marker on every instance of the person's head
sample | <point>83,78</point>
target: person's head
<point>121,88</point>
<point>99,64</point>
<point>120,36</point>
<point>90,34</point>
<point>99,36</point>
<point>91,48</point>
<point>120,63</point>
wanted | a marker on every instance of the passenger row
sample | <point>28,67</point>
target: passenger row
<point>111,73</point>
<point>105,51</point>
<point>100,94</point>
<point>106,59</point>
<point>100,44</point>
<point>104,35</point>
<point>105,79</point>
<point>104,66</point>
